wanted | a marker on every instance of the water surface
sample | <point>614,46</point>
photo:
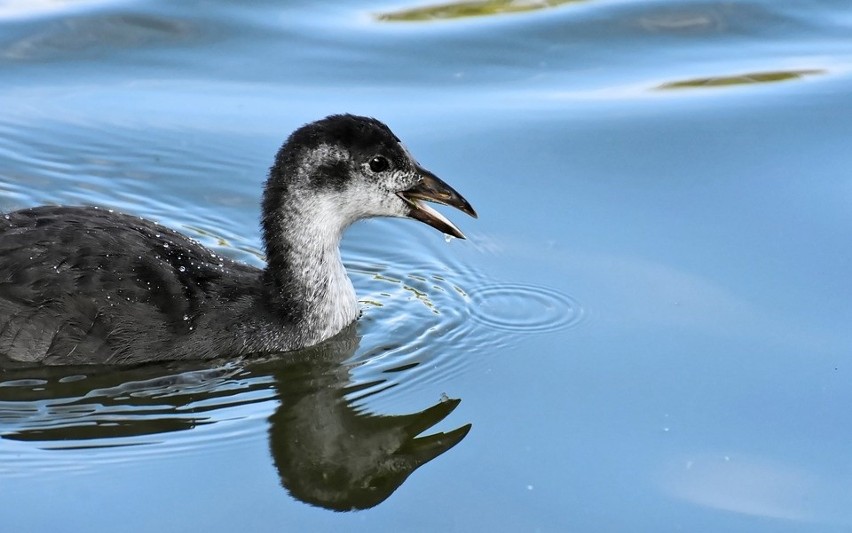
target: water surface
<point>647,328</point>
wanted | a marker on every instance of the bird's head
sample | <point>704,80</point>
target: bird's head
<point>344,168</point>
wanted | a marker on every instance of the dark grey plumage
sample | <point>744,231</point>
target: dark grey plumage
<point>87,285</point>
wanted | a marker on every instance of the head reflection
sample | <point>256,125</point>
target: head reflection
<point>328,452</point>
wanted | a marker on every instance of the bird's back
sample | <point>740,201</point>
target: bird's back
<point>92,286</point>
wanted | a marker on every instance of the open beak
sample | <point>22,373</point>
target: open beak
<point>430,188</point>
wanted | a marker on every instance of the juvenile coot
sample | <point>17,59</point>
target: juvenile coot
<point>83,285</point>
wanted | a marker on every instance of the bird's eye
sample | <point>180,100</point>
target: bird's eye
<point>379,164</point>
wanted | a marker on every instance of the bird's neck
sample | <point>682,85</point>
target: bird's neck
<point>307,282</point>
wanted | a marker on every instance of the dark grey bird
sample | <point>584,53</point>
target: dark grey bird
<point>83,285</point>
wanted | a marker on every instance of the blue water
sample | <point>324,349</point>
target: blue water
<point>648,326</point>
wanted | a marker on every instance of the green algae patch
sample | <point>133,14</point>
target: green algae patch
<point>742,79</point>
<point>470,8</point>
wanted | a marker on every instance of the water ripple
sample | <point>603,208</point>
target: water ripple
<point>94,33</point>
<point>99,413</point>
<point>429,315</point>
<point>522,308</point>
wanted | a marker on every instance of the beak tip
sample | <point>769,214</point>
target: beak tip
<point>465,207</point>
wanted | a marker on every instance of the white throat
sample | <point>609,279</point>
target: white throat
<point>320,277</point>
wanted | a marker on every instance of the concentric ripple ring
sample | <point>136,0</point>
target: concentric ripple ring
<point>524,308</point>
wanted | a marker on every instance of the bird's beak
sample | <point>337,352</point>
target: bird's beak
<point>432,189</point>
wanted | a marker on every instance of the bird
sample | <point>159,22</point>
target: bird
<point>83,285</point>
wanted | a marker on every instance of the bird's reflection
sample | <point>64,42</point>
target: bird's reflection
<point>327,451</point>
